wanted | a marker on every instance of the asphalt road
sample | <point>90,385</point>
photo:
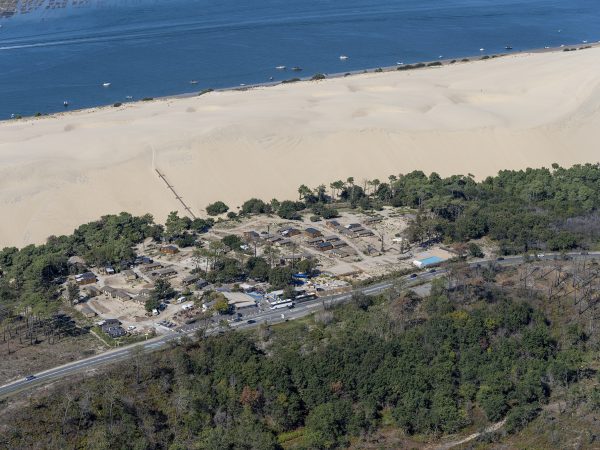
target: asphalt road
<point>275,316</point>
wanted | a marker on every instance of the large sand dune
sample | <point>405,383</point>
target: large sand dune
<point>512,112</point>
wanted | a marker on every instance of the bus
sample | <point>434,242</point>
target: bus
<point>283,304</point>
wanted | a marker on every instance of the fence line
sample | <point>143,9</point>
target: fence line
<point>177,196</point>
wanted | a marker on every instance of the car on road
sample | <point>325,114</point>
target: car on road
<point>413,275</point>
<point>500,258</point>
<point>432,270</point>
<point>584,253</point>
<point>131,327</point>
<point>30,377</point>
<point>250,321</point>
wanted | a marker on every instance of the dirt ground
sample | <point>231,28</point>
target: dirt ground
<point>368,259</point>
<point>26,359</point>
<point>130,313</point>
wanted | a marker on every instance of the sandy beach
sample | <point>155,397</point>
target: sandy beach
<point>518,111</point>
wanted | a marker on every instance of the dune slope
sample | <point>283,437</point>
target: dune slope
<point>525,110</point>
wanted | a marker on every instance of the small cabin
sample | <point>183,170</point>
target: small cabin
<point>312,233</point>
<point>169,250</point>
<point>289,232</point>
<point>85,278</point>
<point>251,235</point>
<point>324,246</point>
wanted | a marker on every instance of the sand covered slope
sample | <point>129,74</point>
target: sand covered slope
<point>512,112</point>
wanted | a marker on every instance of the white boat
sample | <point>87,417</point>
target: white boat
<point>65,103</point>
<point>482,49</point>
<point>105,84</point>
<point>193,82</point>
<point>280,67</point>
<point>585,42</point>
<point>399,63</point>
<point>129,97</point>
<point>343,57</point>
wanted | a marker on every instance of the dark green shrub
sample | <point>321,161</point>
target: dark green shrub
<point>216,208</point>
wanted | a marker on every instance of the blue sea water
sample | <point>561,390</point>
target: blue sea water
<point>149,48</point>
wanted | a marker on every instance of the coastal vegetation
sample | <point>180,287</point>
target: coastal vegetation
<point>411,66</point>
<point>537,209</point>
<point>216,208</point>
<point>469,354</point>
<point>473,352</point>
<point>30,277</point>
<point>521,211</point>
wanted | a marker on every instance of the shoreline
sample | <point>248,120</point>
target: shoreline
<point>517,111</point>
<point>429,64</point>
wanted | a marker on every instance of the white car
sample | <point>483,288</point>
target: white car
<point>131,328</point>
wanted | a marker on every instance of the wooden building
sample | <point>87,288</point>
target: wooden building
<point>169,250</point>
<point>312,233</point>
